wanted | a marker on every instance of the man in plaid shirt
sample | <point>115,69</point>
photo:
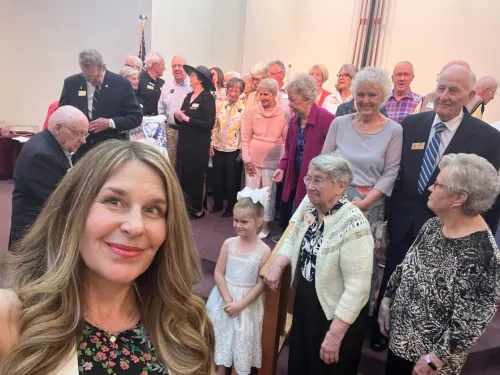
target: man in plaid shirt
<point>402,101</point>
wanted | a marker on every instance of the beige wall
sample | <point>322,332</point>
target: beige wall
<point>301,32</point>
<point>42,39</point>
<point>208,32</point>
<point>429,33</point>
<point>45,38</point>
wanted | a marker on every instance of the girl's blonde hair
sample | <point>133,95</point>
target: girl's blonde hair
<point>45,270</point>
<point>256,209</point>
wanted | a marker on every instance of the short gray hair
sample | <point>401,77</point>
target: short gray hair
<point>373,75</point>
<point>305,85</point>
<point>260,69</point>
<point>475,176</point>
<point>279,63</point>
<point>235,82</point>
<point>471,75</point>
<point>270,84</point>
<point>337,168</point>
<point>134,62</point>
<point>486,82</point>
<point>152,58</point>
<point>232,74</point>
<point>91,57</point>
<point>127,71</point>
<point>352,70</point>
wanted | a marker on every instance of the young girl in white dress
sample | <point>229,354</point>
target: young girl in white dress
<point>236,304</point>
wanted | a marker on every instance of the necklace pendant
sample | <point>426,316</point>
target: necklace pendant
<point>112,339</point>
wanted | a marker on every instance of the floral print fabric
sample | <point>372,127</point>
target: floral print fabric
<point>312,242</point>
<point>131,354</point>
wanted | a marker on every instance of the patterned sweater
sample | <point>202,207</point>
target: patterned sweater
<point>344,260</point>
<point>444,294</point>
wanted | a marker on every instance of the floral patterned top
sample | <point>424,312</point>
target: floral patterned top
<point>443,295</point>
<point>226,134</point>
<point>131,354</point>
<point>312,242</point>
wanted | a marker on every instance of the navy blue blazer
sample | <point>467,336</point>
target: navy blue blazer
<point>41,165</point>
<point>117,101</point>
<point>407,206</point>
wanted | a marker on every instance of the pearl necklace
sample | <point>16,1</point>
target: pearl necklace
<point>112,337</point>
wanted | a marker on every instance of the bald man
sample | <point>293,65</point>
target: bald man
<point>461,133</point>
<point>402,100</point>
<point>42,163</point>
<point>427,103</point>
<point>486,89</point>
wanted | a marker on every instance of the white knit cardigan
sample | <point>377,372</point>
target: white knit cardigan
<point>344,260</point>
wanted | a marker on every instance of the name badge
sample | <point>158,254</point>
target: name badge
<point>82,93</point>
<point>284,96</point>
<point>195,105</point>
<point>309,218</point>
<point>334,100</point>
<point>257,115</point>
<point>418,146</point>
<point>150,87</point>
<point>430,105</point>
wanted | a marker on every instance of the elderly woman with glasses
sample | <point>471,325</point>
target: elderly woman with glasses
<point>372,143</point>
<point>440,299</point>
<point>330,250</point>
<point>258,72</point>
<point>225,148</point>
<point>343,94</point>
<point>263,136</point>
<point>320,74</point>
<point>305,138</point>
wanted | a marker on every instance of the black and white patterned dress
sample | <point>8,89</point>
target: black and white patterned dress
<point>312,242</point>
<point>444,294</point>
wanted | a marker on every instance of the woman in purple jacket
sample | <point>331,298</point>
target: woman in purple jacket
<point>304,140</point>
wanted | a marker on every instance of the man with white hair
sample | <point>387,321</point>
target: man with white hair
<point>259,72</point>
<point>172,95</point>
<point>106,98</point>
<point>277,70</point>
<point>448,129</point>
<point>134,62</point>
<point>427,103</point>
<point>150,83</point>
<point>486,89</point>
<point>42,163</point>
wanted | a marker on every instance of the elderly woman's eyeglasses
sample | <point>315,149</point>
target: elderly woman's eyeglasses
<point>343,76</point>
<point>77,135</point>
<point>435,185</point>
<point>315,181</point>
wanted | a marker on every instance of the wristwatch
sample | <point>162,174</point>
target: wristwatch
<point>112,124</point>
<point>431,364</point>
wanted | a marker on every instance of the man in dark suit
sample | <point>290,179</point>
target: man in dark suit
<point>454,130</point>
<point>106,98</point>
<point>42,163</point>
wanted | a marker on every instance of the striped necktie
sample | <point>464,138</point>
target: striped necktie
<point>431,153</point>
<point>95,100</point>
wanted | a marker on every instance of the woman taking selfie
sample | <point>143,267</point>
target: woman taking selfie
<point>97,284</point>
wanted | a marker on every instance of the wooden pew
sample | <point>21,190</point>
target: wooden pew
<point>277,316</point>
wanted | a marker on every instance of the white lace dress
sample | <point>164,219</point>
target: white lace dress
<point>238,340</point>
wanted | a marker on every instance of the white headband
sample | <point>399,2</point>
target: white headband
<point>257,195</point>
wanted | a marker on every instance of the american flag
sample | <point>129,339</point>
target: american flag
<point>142,49</point>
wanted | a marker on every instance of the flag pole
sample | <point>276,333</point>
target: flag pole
<point>142,42</point>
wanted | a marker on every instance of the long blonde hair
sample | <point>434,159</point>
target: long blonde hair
<point>45,271</point>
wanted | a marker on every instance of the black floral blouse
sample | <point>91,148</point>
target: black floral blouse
<point>312,242</point>
<point>131,354</point>
<point>444,294</point>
